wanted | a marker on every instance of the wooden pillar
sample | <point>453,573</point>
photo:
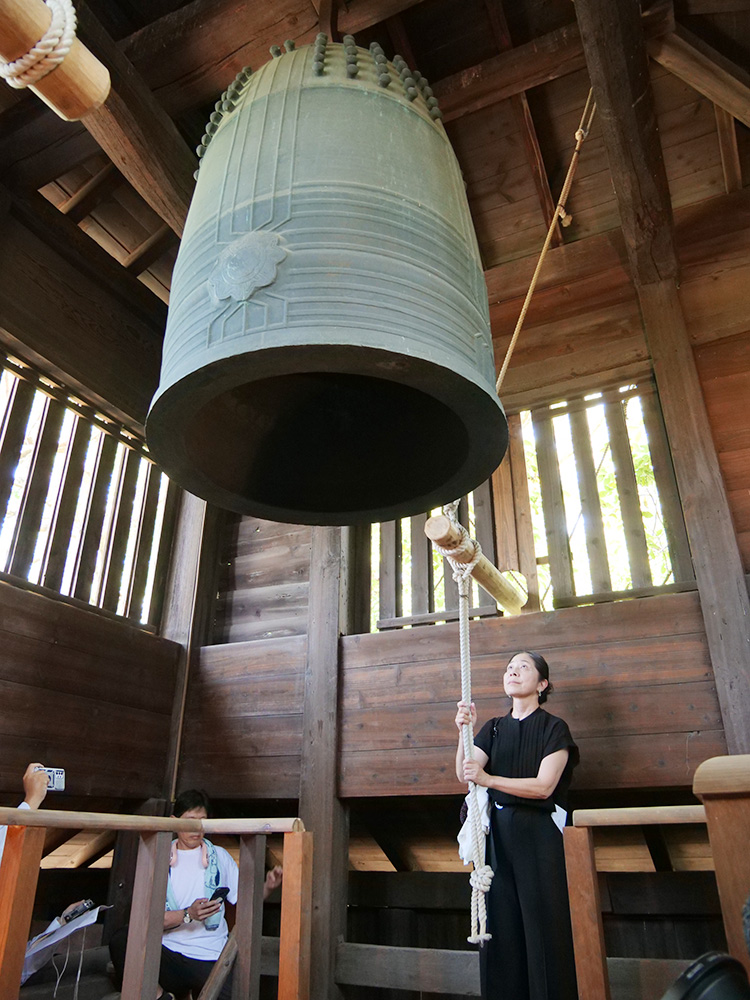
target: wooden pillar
<point>296,913</point>
<point>249,923</point>
<point>320,808</point>
<point>586,915</point>
<point>723,785</point>
<point>190,591</point>
<point>19,873</point>
<point>713,543</point>
<point>141,975</point>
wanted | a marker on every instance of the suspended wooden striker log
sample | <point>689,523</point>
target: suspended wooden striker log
<point>504,590</point>
<point>78,85</point>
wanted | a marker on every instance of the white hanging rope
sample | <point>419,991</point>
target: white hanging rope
<point>48,52</point>
<point>481,877</point>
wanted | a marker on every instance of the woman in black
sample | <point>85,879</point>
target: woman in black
<point>525,759</point>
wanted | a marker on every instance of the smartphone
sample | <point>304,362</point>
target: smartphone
<point>56,777</point>
<point>221,892</point>
<point>83,907</point>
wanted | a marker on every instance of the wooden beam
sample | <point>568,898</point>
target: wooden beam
<point>249,922</point>
<point>147,917</point>
<point>320,807</point>
<point>704,69</point>
<point>295,966</point>
<point>150,250</point>
<point>616,57</point>
<point>105,342</point>
<point>547,58</point>
<point>586,915</point>
<point>731,166</point>
<point>190,593</point>
<point>430,970</point>
<point>89,195</point>
<point>137,134</point>
<point>718,569</point>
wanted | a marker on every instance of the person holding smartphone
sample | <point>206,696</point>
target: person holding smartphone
<point>201,876</point>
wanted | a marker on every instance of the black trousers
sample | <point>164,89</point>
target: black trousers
<point>177,974</point>
<point>530,956</point>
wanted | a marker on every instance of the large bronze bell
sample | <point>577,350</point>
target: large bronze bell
<point>328,357</point>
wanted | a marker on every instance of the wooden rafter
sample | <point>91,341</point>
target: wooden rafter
<point>704,69</point>
<point>731,166</point>
<point>89,195</point>
<point>138,135</point>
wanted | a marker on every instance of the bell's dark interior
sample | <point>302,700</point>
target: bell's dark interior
<point>152,643</point>
<point>335,443</point>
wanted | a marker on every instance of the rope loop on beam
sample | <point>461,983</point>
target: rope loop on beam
<point>48,52</point>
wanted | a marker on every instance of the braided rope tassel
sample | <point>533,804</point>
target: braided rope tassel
<point>481,876</point>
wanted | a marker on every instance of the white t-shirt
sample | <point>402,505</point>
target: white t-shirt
<point>188,878</point>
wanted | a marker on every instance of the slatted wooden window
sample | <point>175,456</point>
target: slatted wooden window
<point>410,584</point>
<point>605,508</point>
<point>83,511</point>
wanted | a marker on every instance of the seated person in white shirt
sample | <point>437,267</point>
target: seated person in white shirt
<point>195,930</point>
<point>35,783</point>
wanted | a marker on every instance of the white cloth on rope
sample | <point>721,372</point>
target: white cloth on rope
<point>48,52</point>
<point>465,834</point>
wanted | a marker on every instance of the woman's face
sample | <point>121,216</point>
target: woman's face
<point>521,677</point>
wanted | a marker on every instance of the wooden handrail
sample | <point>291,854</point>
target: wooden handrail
<point>19,871</point>
<point>60,819</point>
<point>639,816</point>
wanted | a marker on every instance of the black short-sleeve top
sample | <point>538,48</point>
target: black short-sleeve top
<point>516,748</point>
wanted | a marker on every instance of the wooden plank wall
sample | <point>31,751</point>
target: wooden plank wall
<point>84,692</point>
<point>264,580</point>
<point>632,679</point>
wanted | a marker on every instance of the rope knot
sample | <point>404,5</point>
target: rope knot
<point>481,878</point>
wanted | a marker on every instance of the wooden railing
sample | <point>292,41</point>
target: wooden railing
<point>19,873</point>
<point>723,783</point>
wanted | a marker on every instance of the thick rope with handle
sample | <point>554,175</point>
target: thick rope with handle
<point>48,52</point>
<point>481,877</point>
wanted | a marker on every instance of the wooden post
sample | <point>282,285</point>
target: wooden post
<point>718,569</point>
<point>141,974</point>
<point>508,594</point>
<point>19,873</point>
<point>78,85</point>
<point>320,807</point>
<point>296,913</point>
<point>248,926</point>
<point>586,915</point>
<point>221,969</point>
<point>723,785</point>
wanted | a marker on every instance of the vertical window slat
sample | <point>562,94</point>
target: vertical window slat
<point>560,562</point>
<point>144,546</point>
<point>666,485</point>
<point>390,569</point>
<point>37,487</point>
<point>627,491</point>
<point>92,535</point>
<point>115,568</point>
<point>590,505</point>
<point>523,514</point>
<point>158,588</point>
<point>57,552</point>
<point>422,596</point>
<point>13,437</point>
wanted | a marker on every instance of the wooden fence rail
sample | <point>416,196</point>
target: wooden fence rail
<point>19,872</point>
<point>723,783</point>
